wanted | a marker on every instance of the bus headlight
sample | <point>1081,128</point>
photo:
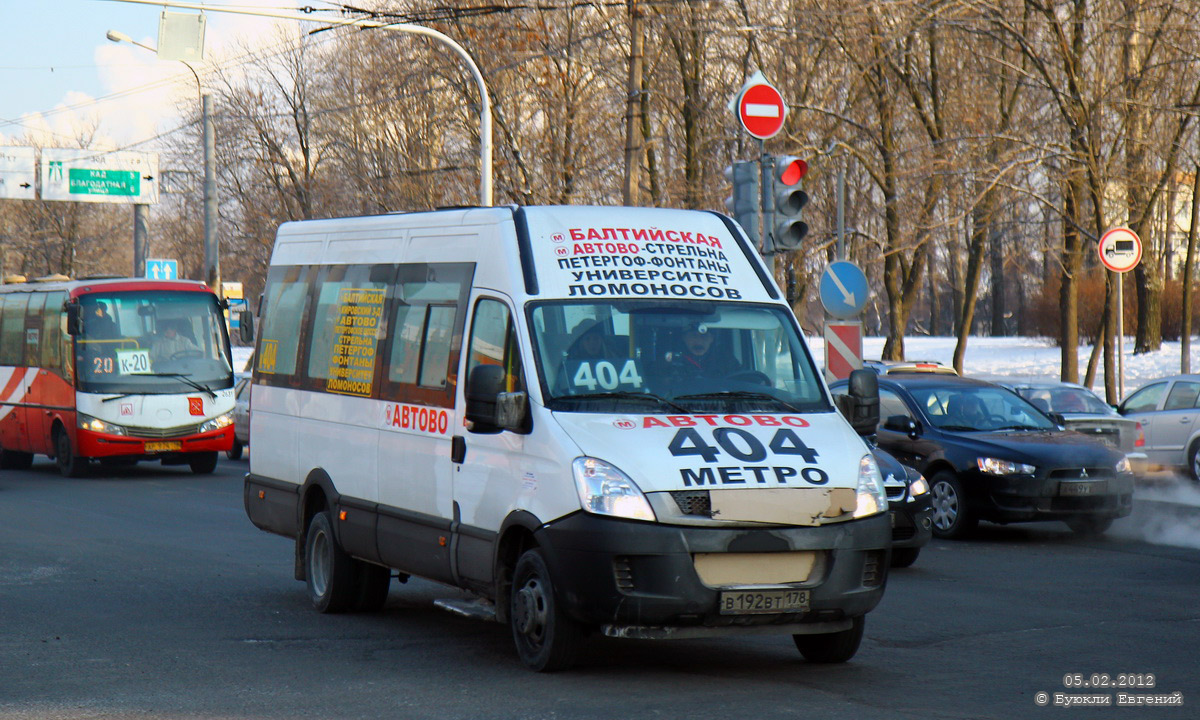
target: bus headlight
<point>218,423</point>
<point>87,422</point>
<point>871,496</point>
<point>605,490</point>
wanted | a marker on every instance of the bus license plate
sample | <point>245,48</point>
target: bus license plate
<point>763,602</point>
<point>1081,488</point>
<point>164,446</point>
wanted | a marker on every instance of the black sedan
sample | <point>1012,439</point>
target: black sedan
<point>910,506</point>
<point>989,454</point>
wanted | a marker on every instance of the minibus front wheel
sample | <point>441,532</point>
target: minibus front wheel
<point>546,638</point>
<point>835,647</point>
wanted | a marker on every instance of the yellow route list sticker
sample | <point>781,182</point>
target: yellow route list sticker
<point>352,359</point>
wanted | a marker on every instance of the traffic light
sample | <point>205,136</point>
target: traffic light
<point>786,230</point>
<point>743,203</point>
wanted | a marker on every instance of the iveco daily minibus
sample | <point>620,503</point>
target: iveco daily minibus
<point>592,419</point>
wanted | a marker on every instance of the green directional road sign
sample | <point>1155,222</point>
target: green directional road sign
<point>86,181</point>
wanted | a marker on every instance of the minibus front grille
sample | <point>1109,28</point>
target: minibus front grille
<point>171,432</point>
<point>873,569</point>
<point>693,502</point>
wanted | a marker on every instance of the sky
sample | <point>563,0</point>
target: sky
<point>58,72</point>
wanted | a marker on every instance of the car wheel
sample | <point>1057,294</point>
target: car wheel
<point>951,516</point>
<point>203,463</point>
<point>904,557</point>
<point>1089,524</point>
<point>329,572</point>
<point>69,464</point>
<point>546,638</point>
<point>234,452</point>
<point>835,647</point>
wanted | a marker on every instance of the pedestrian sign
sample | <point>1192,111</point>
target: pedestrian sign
<point>161,269</point>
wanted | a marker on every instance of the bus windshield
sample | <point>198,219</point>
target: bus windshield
<point>654,356</point>
<point>154,342</point>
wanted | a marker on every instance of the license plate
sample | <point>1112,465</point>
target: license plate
<point>1082,488</point>
<point>763,602</point>
<point>163,446</point>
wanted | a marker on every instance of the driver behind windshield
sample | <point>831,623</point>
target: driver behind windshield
<point>702,356</point>
<point>966,410</point>
<point>170,343</point>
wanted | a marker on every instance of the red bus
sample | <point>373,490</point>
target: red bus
<point>115,370</point>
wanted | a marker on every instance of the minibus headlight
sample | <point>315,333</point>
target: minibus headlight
<point>605,490</point>
<point>87,422</point>
<point>217,423</point>
<point>872,498</point>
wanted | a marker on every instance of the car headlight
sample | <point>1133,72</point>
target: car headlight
<point>1123,465</point>
<point>871,497</point>
<point>217,423</point>
<point>920,486</point>
<point>995,466</point>
<point>87,422</point>
<point>605,490</point>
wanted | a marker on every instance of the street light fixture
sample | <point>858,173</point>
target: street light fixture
<point>212,258</point>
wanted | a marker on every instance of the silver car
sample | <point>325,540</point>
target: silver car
<point>241,416</point>
<point>1169,413</point>
<point>1083,411</point>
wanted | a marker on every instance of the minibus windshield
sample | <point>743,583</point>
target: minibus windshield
<point>656,356</point>
<point>154,342</point>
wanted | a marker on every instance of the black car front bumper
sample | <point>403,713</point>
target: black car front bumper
<point>1050,495</point>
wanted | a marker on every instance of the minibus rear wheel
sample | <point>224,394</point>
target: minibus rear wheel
<point>329,571</point>
<point>835,647</point>
<point>546,638</point>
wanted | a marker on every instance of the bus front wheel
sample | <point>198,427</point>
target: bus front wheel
<point>203,463</point>
<point>69,464</point>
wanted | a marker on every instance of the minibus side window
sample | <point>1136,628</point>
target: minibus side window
<point>12,329</point>
<point>33,330</point>
<point>283,318</point>
<point>346,326</point>
<point>494,342</point>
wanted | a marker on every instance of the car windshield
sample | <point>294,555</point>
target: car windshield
<point>155,342</point>
<point>1065,400</point>
<point>969,408</point>
<point>650,356</point>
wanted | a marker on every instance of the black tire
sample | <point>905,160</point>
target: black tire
<point>235,452</point>
<point>372,586</point>
<point>952,518</point>
<point>546,638</point>
<point>329,572</point>
<point>69,464</point>
<point>203,463</point>
<point>904,557</point>
<point>1193,458</point>
<point>835,647</point>
<point>15,460</point>
<point>1089,525</point>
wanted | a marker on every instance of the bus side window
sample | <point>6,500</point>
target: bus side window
<point>34,339</point>
<point>12,329</point>
<point>494,342</point>
<point>53,337</point>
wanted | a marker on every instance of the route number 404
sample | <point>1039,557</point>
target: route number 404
<point>606,375</point>
<point>740,444</point>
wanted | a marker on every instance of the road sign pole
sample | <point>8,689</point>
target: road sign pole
<point>212,258</point>
<point>139,240</point>
<point>1120,337</point>
<point>764,211</point>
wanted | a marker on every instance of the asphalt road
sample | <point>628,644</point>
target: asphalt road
<point>150,595</point>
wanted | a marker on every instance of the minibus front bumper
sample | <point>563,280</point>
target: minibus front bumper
<point>639,579</point>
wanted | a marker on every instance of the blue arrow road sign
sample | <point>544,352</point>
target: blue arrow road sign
<point>843,290</point>
<point>161,269</point>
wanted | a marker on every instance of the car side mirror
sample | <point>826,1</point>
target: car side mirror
<point>861,406</point>
<point>246,327</point>
<point>1057,418</point>
<point>489,408</point>
<point>903,424</point>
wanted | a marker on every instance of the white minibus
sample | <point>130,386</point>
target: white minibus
<point>590,419</point>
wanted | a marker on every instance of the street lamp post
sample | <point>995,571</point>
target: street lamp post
<point>212,257</point>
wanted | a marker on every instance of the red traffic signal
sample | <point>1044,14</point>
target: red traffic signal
<point>791,170</point>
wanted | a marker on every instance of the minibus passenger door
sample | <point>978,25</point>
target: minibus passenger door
<point>486,456</point>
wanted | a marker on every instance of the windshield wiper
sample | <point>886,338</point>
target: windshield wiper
<point>625,395</point>
<point>959,428</point>
<point>740,394</point>
<point>1020,427</point>
<point>188,380</point>
<point>116,397</point>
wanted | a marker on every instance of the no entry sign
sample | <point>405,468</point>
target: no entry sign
<point>760,108</point>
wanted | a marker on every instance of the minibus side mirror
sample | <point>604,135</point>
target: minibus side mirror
<point>862,406</point>
<point>489,408</point>
<point>73,324</point>
<point>246,327</point>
